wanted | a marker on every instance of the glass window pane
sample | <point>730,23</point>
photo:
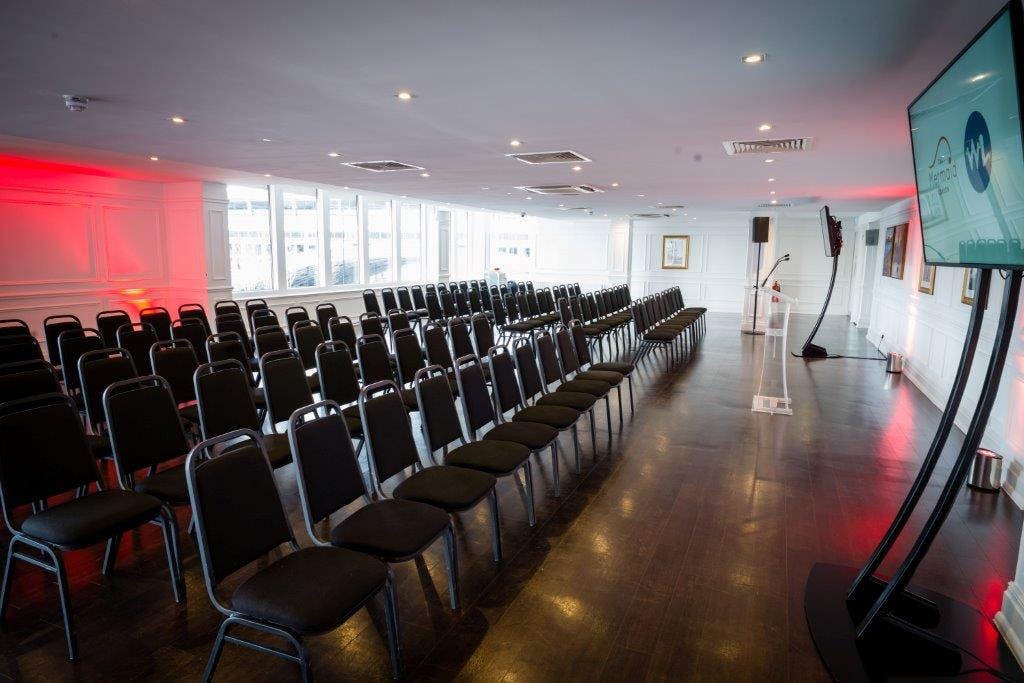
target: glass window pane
<point>344,224</point>
<point>249,237</point>
<point>301,240</point>
<point>410,244</point>
<point>379,235</point>
<point>460,245</point>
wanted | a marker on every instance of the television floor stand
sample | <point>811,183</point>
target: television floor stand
<point>811,350</point>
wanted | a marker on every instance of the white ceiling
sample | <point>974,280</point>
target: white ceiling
<point>647,90</point>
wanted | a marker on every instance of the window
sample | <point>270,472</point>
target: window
<point>250,238</point>
<point>512,245</point>
<point>301,240</point>
<point>379,241</point>
<point>410,243</point>
<point>460,245</point>
<point>343,219</point>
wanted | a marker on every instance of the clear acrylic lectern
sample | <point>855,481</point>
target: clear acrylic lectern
<point>772,391</point>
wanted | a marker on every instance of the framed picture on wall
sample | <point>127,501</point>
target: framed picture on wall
<point>895,251</point>
<point>887,253</point>
<point>927,282</point>
<point>675,252</point>
<point>970,285</point>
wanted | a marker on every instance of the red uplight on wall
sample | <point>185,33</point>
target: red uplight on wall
<point>136,297</point>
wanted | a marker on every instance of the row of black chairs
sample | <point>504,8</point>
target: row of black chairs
<point>662,320</point>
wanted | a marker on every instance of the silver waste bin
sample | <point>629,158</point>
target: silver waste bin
<point>894,363</point>
<point>986,471</point>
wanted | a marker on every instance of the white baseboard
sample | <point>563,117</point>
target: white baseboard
<point>1010,620</point>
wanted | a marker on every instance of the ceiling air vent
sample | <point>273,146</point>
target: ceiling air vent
<point>780,205</point>
<point>382,166</point>
<point>560,189</point>
<point>733,147</point>
<point>563,157</point>
<point>673,207</point>
<point>649,215</point>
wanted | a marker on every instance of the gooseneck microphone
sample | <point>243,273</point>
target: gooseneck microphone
<point>782,259</point>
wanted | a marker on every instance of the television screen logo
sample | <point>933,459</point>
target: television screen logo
<point>978,151</point>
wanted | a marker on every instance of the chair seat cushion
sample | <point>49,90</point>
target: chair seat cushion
<point>409,400</point>
<point>279,452</point>
<point>391,529</point>
<point>586,386</point>
<point>569,399</point>
<point>521,327</point>
<point>594,330</point>
<point>190,412</point>
<point>621,368</point>
<point>259,399</point>
<point>167,485</point>
<point>92,518</point>
<point>311,590</point>
<point>99,446</point>
<point>531,434</point>
<point>492,456</point>
<point>549,318</point>
<point>660,335</point>
<point>314,382</point>
<point>613,378</point>
<point>449,488</point>
<point>558,417</point>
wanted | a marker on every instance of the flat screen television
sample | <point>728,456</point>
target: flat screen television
<point>831,233</point>
<point>965,133</point>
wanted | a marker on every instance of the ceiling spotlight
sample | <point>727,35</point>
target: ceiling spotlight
<point>615,184</point>
<point>515,143</point>
<point>487,188</point>
<point>674,209</point>
<point>772,192</point>
<point>333,154</point>
<point>561,205</point>
<point>754,58</point>
<point>775,201</point>
<point>154,158</point>
<point>424,175</point>
<point>176,119</point>
<point>577,168</point>
<point>639,195</point>
<point>764,127</point>
<point>771,180</point>
<point>266,175</point>
<point>404,95</point>
<point>528,198</point>
<point>76,103</point>
<point>769,161</point>
<point>265,140</point>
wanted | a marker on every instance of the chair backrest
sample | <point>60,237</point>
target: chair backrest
<point>176,362</point>
<point>387,429</point>
<point>580,345</point>
<point>550,368</point>
<point>434,310</point>
<point>269,338</point>
<point>448,304</point>
<point>476,403</point>
<point>253,305</point>
<point>499,311</point>
<point>338,380</point>
<point>226,306</point>
<point>26,379</point>
<point>263,317</point>
<point>475,305</point>
<point>237,508</point>
<point>458,332</point>
<point>483,334</point>
<point>374,362</point>
<point>398,320</point>
<point>72,344</point>
<point>324,313</point>
<point>370,323</point>
<point>192,331</point>
<point>566,350</point>
<point>224,398</point>
<point>370,302</point>
<point>408,354</point>
<point>137,339</point>
<point>461,302</point>
<point>193,312</point>
<point>531,301</point>
<point>97,370</point>
<point>512,308</point>
<point>404,300</point>
<point>52,326</point>
<point>145,429</point>
<point>43,451</point>
<point>437,347</point>
<point>307,335</point>
<point>232,322</point>
<point>325,463</point>
<point>526,367</point>
<point>417,297</point>
<point>284,380</point>
<point>503,378</point>
<point>227,345</point>
<point>438,416</point>
<point>387,296</point>
<point>109,322</point>
<point>340,328</point>
<point>14,327</point>
<point>159,318</point>
<point>15,348</point>
<point>564,310</point>
<point>294,314</point>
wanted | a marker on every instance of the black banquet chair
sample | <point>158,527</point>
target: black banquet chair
<point>43,454</point>
<point>305,592</point>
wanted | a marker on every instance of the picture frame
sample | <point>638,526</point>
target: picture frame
<point>969,286</point>
<point>894,253</point>
<point>675,252</point>
<point>926,281</point>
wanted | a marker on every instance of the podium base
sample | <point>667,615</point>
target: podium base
<point>929,636</point>
<point>754,332</point>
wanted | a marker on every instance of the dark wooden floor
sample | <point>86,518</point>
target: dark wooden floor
<point>681,554</point>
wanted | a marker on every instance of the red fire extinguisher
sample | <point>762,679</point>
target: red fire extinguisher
<point>778,288</point>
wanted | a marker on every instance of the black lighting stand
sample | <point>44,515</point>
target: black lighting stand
<point>813,350</point>
<point>866,628</point>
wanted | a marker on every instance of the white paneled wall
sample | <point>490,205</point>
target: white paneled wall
<point>929,330</point>
<point>594,253</point>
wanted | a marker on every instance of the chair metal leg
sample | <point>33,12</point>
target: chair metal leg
<point>555,469</point>
<point>608,412</point>
<point>394,636</point>
<point>218,647</point>
<point>65,603</point>
<point>593,431</point>
<point>451,565</point>
<point>110,555</point>
<point>5,588</point>
<point>531,512</point>
<point>618,389</point>
<point>576,447</point>
<point>495,526</point>
<point>170,531</point>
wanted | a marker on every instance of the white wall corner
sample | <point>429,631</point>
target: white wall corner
<point>1009,620</point>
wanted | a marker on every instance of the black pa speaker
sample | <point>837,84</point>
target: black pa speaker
<point>871,237</point>
<point>759,233</point>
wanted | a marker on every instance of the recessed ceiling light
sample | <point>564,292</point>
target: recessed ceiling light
<point>577,168</point>
<point>639,195</point>
<point>424,175</point>
<point>769,161</point>
<point>508,193</point>
<point>771,180</point>
<point>154,158</point>
<point>179,120</point>
<point>754,58</point>
<point>515,143</point>
<point>529,198</point>
<point>333,154</point>
<point>404,95</point>
<point>674,209</point>
<point>775,201</point>
<point>265,140</point>
<point>764,127</point>
<point>266,175</point>
<point>772,192</point>
<point>561,205</point>
<point>344,187</point>
<point>615,184</point>
<point>487,188</point>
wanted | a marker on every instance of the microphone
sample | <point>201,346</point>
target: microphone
<point>782,259</point>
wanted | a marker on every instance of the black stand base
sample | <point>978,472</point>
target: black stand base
<point>813,351</point>
<point>927,635</point>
